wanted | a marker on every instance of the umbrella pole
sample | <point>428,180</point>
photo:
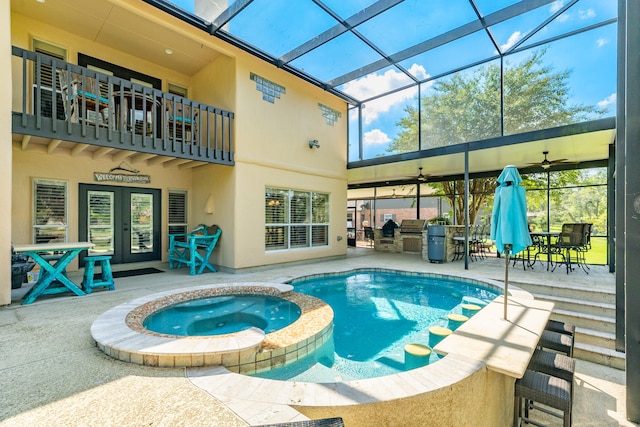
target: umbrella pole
<point>507,249</point>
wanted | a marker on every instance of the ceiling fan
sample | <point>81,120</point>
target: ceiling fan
<point>546,163</point>
<point>421,177</point>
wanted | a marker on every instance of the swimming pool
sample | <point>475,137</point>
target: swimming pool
<point>223,315</point>
<point>376,313</point>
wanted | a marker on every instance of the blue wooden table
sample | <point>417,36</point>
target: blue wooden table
<point>52,279</point>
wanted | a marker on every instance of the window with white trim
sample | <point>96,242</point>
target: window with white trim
<point>49,211</point>
<point>295,219</point>
<point>178,213</point>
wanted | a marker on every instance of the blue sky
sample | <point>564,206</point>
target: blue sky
<point>274,26</point>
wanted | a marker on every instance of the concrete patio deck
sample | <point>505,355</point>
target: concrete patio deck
<point>55,376</point>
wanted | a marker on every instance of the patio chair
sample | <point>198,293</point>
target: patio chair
<point>82,99</point>
<point>530,254</point>
<point>369,236</point>
<point>185,249</point>
<point>572,239</point>
<point>181,121</point>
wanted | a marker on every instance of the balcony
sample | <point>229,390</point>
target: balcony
<point>94,109</point>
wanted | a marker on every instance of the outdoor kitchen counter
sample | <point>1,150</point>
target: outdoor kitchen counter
<point>505,346</point>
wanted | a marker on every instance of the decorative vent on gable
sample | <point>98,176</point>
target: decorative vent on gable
<point>330,115</point>
<point>270,90</point>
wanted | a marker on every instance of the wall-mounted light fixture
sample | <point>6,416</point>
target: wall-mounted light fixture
<point>210,206</point>
<point>314,144</point>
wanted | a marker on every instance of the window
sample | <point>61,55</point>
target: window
<point>47,81</point>
<point>50,211</point>
<point>178,213</point>
<point>101,226</point>
<point>295,219</point>
<point>178,90</point>
<point>118,71</point>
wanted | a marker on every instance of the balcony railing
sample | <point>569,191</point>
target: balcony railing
<point>94,108</point>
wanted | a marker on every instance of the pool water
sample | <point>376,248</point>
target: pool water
<point>223,315</point>
<point>376,314</point>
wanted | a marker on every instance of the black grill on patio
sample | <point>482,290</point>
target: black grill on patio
<point>20,266</point>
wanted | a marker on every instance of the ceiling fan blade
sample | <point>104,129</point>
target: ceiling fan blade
<point>558,161</point>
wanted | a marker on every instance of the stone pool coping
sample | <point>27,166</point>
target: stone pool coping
<point>119,332</point>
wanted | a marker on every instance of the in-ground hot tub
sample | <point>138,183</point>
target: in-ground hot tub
<point>121,333</point>
<point>223,315</point>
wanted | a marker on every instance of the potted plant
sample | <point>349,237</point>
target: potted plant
<point>440,220</point>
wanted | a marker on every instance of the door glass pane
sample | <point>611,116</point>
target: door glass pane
<point>141,223</point>
<point>100,221</point>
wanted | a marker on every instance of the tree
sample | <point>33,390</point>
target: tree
<point>466,107</point>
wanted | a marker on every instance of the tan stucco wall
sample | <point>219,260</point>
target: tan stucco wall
<point>272,151</point>
<point>5,156</point>
<point>482,399</point>
<point>270,144</point>
<point>28,165</point>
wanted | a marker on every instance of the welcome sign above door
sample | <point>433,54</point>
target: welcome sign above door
<point>132,175</point>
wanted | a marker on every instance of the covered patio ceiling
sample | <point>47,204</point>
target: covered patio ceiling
<point>578,148</point>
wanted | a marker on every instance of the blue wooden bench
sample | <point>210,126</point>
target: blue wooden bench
<point>194,249</point>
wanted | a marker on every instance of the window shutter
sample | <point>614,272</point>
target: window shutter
<point>50,211</point>
<point>295,219</point>
<point>178,212</point>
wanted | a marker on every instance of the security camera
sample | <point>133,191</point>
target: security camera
<point>314,144</point>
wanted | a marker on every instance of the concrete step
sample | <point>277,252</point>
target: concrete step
<point>592,310</point>
<point>599,355</point>
<point>583,293</point>
<point>580,306</point>
<point>595,338</point>
<point>586,321</point>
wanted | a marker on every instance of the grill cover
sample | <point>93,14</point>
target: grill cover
<point>412,226</point>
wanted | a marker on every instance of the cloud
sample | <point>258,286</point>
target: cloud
<point>374,84</point>
<point>586,14</point>
<point>513,39</point>
<point>556,5</point>
<point>611,99</point>
<point>375,137</point>
<point>601,42</point>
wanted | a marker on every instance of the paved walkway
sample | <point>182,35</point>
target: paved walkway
<point>54,375</point>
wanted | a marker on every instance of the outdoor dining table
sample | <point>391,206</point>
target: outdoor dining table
<point>52,278</point>
<point>546,235</point>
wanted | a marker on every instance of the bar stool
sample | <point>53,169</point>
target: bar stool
<point>556,341</point>
<point>543,389</point>
<point>106,277</point>
<point>551,363</point>
<point>561,327</point>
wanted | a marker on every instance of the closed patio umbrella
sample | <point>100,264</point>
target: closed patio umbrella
<point>509,226</point>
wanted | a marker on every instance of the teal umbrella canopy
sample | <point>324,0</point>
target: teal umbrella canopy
<point>509,217</point>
